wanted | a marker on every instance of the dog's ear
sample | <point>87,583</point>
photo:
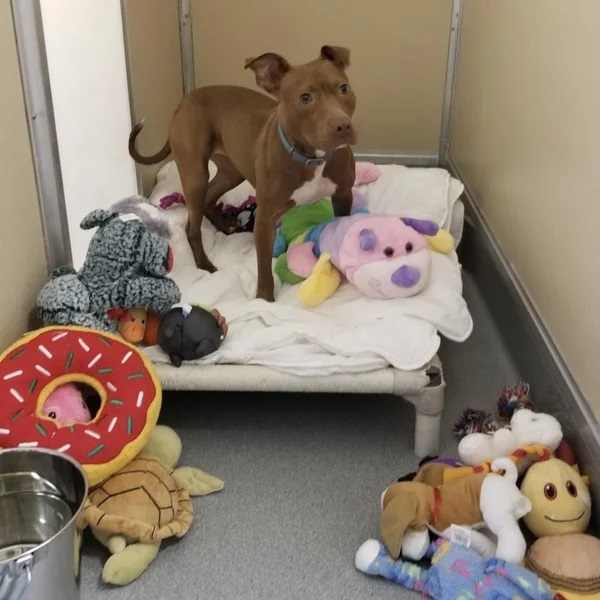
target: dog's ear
<point>269,69</point>
<point>338,55</point>
<point>395,519</point>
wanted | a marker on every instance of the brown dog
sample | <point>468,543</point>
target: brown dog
<point>293,150</point>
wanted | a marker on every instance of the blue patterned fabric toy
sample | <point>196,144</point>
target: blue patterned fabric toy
<point>456,573</point>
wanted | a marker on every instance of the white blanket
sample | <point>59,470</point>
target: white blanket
<point>346,334</point>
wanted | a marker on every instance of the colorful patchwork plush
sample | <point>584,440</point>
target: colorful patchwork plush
<point>456,573</point>
<point>126,267</point>
<point>384,256</point>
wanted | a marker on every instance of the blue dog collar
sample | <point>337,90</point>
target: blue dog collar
<point>307,161</point>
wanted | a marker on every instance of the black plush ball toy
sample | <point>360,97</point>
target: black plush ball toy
<point>188,332</point>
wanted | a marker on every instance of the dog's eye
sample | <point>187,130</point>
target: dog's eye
<point>408,247</point>
<point>306,98</point>
<point>344,89</point>
<point>388,251</point>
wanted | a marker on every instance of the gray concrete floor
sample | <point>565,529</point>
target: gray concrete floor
<point>303,475</point>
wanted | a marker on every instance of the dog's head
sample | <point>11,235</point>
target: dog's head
<point>316,101</point>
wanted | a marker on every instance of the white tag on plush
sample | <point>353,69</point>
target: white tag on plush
<point>129,217</point>
<point>186,308</point>
<point>460,535</point>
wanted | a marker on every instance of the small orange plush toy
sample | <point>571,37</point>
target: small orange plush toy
<point>131,323</point>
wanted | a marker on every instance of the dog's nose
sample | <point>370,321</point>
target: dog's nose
<point>406,276</point>
<point>342,126</point>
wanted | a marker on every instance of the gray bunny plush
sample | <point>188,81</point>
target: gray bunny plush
<point>126,266</point>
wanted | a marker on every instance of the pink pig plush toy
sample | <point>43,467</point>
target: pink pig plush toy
<point>66,405</point>
<point>384,256</point>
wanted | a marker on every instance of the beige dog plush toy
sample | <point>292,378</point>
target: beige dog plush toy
<point>411,509</point>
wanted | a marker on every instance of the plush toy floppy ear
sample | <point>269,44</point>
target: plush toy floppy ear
<point>396,518</point>
<point>422,226</point>
<point>96,218</point>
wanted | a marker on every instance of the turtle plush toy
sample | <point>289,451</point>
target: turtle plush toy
<point>144,503</point>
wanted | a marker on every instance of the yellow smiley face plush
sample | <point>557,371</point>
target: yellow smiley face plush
<point>560,499</point>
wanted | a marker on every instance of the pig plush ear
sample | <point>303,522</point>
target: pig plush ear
<point>423,227</point>
<point>367,239</point>
<point>269,70</point>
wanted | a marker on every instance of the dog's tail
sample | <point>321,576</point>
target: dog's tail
<point>146,160</point>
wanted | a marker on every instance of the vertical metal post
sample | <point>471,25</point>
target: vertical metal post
<point>124,20</point>
<point>186,37</point>
<point>29,32</point>
<point>453,46</point>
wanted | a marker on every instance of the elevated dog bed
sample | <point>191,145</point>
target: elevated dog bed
<point>350,343</point>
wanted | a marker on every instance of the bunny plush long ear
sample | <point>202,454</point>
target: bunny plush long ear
<point>97,217</point>
<point>395,519</point>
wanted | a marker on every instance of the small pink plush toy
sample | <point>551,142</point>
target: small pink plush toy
<point>66,405</point>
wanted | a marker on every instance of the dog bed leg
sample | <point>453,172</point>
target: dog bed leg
<point>428,403</point>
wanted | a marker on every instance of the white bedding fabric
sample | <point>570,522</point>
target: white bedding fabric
<point>348,333</point>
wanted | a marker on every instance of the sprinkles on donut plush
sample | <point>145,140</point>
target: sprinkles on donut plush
<point>130,396</point>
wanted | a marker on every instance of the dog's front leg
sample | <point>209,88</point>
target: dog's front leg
<point>342,202</point>
<point>264,238</point>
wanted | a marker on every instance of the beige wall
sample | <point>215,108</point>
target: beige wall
<point>22,256</point>
<point>152,28</point>
<point>398,53</point>
<point>526,138</point>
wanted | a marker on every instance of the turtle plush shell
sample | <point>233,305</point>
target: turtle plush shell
<point>142,501</point>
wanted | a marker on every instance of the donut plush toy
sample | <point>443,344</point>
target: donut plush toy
<point>130,394</point>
